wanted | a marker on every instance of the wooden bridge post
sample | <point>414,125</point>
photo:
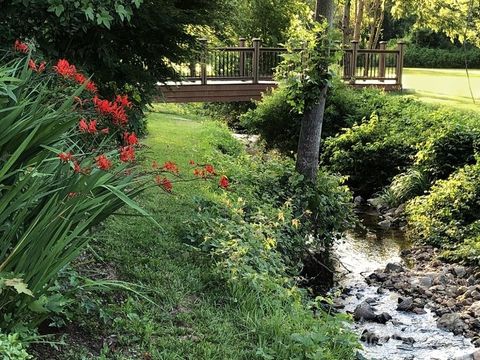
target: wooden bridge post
<point>203,61</point>
<point>256,60</point>
<point>400,59</point>
<point>241,63</point>
<point>353,70</point>
<point>381,62</point>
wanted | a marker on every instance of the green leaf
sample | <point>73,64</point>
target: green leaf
<point>19,286</point>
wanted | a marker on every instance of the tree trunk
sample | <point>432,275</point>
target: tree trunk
<point>311,130</point>
<point>359,20</point>
<point>346,22</point>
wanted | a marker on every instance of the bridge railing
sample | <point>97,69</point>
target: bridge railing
<point>369,66</point>
<point>243,63</point>
<point>255,64</point>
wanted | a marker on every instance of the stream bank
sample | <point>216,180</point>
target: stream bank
<point>407,304</point>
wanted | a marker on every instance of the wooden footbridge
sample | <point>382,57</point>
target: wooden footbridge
<point>243,73</point>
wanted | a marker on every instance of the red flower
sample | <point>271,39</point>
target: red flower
<point>92,87</point>
<point>210,169</point>
<point>170,166</point>
<point>199,173</point>
<point>32,65</point>
<point>65,157</point>
<point>224,183</point>
<point>127,154</point>
<point>21,47</point>
<point>130,138</point>
<point>82,125</point>
<point>191,162</point>
<point>76,167</point>
<point>64,68</point>
<point>115,111</point>
<point>41,67</point>
<point>80,78</point>
<point>123,101</point>
<point>103,163</point>
<point>92,127</point>
<point>164,182</point>
<point>72,194</point>
<point>106,131</point>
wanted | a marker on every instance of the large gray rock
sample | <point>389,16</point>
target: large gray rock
<point>474,309</point>
<point>365,312</point>
<point>405,304</point>
<point>393,267</point>
<point>451,322</point>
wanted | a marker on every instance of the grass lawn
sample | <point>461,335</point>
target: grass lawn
<point>444,86</point>
<point>194,318</point>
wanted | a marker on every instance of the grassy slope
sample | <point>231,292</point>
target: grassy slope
<point>194,319</point>
<point>444,86</point>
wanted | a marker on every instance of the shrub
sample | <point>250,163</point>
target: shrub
<point>448,216</point>
<point>423,57</point>
<point>414,182</point>
<point>229,112</point>
<point>257,234</point>
<point>12,348</point>
<point>279,124</point>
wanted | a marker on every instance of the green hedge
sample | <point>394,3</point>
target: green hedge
<point>421,57</point>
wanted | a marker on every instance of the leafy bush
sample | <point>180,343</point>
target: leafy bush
<point>414,182</point>
<point>404,133</point>
<point>279,123</point>
<point>448,216</point>
<point>12,348</point>
<point>423,57</point>
<point>258,234</point>
<point>229,112</point>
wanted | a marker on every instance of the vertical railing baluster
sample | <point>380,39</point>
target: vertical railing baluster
<point>203,63</point>
<point>354,61</point>
<point>256,60</point>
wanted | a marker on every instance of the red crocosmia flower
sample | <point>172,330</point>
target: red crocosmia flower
<point>164,183</point>
<point>32,65</point>
<point>64,68</point>
<point>21,47</point>
<point>130,138</point>
<point>155,165</point>
<point>79,78</point>
<point>127,154</point>
<point>72,194</point>
<point>82,125</point>
<point>123,101</point>
<point>92,87</point>
<point>76,167</point>
<point>171,167</point>
<point>191,162</point>
<point>210,169</point>
<point>103,163</point>
<point>224,183</point>
<point>199,173</point>
<point>41,67</point>
<point>112,109</point>
<point>106,131</point>
<point>65,157</point>
<point>92,127</point>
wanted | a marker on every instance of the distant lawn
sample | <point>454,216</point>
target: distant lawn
<point>444,86</point>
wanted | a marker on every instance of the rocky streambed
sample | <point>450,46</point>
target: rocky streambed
<point>406,303</point>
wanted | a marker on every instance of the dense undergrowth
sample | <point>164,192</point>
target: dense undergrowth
<point>223,272</point>
<point>398,149</point>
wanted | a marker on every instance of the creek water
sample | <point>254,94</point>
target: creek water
<point>360,253</point>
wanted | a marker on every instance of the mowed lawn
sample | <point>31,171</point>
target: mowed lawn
<point>444,86</point>
<point>192,316</point>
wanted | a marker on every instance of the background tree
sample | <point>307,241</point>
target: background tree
<point>133,42</point>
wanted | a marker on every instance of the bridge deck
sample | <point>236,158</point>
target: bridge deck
<point>214,91</point>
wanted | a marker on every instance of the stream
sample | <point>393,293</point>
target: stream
<point>361,252</point>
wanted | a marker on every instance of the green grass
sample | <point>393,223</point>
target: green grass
<point>444,86</point>
<point>194,318</point>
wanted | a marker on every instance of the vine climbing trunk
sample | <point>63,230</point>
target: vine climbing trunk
<point>308,152</point>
